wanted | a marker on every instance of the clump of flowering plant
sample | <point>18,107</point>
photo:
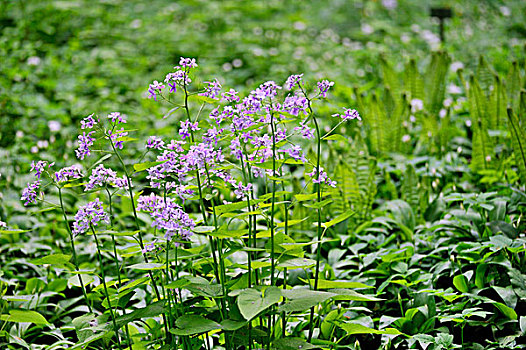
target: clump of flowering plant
<point>227,174</point>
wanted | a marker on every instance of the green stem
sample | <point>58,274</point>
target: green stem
<point>106,289</point>
<point>117,262</point>
<point>75,260</point>
<point>141,244</point>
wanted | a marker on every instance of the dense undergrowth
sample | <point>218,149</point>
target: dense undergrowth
<point>382,211</point>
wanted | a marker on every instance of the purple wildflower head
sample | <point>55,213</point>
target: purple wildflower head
<point>85,142</point>
<point>322,178</point>
<point>68,173</point>
<point>39,167</point>
<point>306,132</point>
<point>187,62</point>
<point>117,117</point>
<point>212,89</point>
<point>167,216</point>
<point>88,123</point>
<point>89,215</point>
<point>292,81</point>
<point>154,89</point>
<point>230,96</point>
<point>29,194</point>
<point>186,127</point>
<point>349,114</point>
<point>324,86</point>
<point>100,176</point>
<point>116,137</point>
<point>154,142</point>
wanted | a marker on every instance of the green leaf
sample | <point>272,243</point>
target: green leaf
<point>204,99</point>
<point>21,316</point>
<point>143,166</point>
<point>461,283</point>
<point>251,301</point>
<point>325,284</point>
<point>53,259</point>
<point>338,219</point>
<point>354,328</point>
<point>147,266</point>
<point>194,324</point>
<point>292,344</point>
<point>303,299</point>
<point>151,310</point>
<point>75,282</point>
<point>507,311</point>
<point>347,294</point>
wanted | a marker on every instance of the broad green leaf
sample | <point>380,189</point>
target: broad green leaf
<point>151,310</point>
<point>303,299</point>
<point>292,344</point>
<point>507,311</point>
<point>147,266</point>
<point>297,263</point>
<point>251,301</point>
<point>461,283</point>
<point>354,328</point>
<point>147,165</point>
<point>21,316</point>
<point>338,219</point>
<point>53,259</point>
<point>325,284</point>
<point>348,294</point>
<point>193,324</point>
<point>75,282</point>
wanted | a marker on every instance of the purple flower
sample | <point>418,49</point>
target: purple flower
<point>230,96</point>
<point>186,126</point>
<point>88,122</point>
<point>29,194</point>
<point>268,89</point>
<point>322,178</point>
<point>242,191</point>
<point>68,173</point>
<point>212,89</point>
<point>324,86</point>
<point>154,89</point>
<point>306,132</point>
<point>121,182</point>
<point>154,142</point>
<point>295,153</point>
<point>167,216</point>
<point>100,176</point>
<point>117,117</point>
<point>85,142</point>
<point>39,167</point>
<point>295,104</point>
<point>116,137</point>
<point>187,62</point>
<point>292,81</point>
<point>149,247</point>
<point>89,215</point>
<point>349,114</point>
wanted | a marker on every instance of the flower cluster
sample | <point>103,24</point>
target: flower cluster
<point>39,166</point>
<point>101,176</point>
<point>322,178</point>
<point>29,194</point>
<point>167,216</point>
<point>212,89</point>
<point>292,81</point>
<point>118,118</point>
<point>89,215</point>
<point>85,142</point>
<point>349,114</point>
<point>88,123</point>
<point>68,173</point>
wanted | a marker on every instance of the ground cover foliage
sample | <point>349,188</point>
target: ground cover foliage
<point>374,202</point>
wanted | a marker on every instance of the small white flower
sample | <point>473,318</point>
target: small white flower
<point>406,138</point>
<point>416,105</point>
